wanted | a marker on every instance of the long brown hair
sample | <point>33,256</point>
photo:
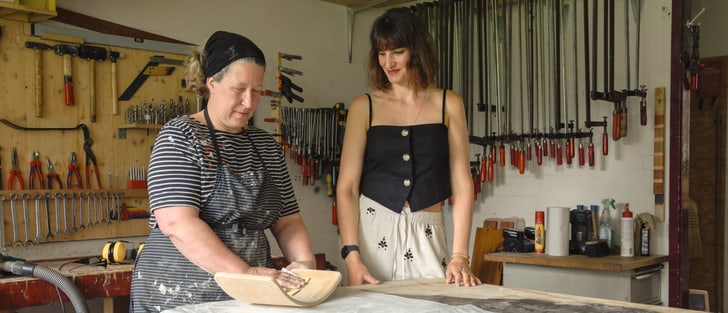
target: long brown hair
<point>400,28</point>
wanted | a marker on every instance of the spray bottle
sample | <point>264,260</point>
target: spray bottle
<point>627,235</point>
<point>606,231</point>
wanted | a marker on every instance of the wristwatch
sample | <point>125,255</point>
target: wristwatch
<point>345,250</point>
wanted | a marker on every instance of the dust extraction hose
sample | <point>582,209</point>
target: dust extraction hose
<point>46,274</point>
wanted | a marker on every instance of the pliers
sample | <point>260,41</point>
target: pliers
<point>73,173</point>
<point>90,159</point>
<point>53,176</point>
<point>35,171</point>
<point>15,172</point>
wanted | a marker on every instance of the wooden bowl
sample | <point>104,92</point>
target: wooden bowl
<point>264,290</point>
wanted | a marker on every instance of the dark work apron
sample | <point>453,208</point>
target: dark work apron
<point>239,209</point>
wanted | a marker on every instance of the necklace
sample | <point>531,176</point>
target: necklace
<point>417,116</point>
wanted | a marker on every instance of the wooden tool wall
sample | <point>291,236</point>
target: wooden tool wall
<point>114,155</point>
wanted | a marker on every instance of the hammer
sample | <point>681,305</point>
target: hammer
<point>92,54</point>
<point>37,48</point>
<point>66,51</point>
<point>113,56</point>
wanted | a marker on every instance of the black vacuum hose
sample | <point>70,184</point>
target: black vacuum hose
<point>54,277</point>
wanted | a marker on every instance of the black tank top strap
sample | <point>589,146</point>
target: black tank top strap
<point>370,109</point>
<point>444,96</point>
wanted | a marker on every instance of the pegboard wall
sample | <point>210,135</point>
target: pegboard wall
<point>121,142</point>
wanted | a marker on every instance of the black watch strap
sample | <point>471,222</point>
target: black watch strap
<point>345,250</point>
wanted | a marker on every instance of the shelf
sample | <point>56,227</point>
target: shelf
<point>123,128</point>
<point>28,10</point>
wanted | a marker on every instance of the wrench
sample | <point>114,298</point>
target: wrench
<point>88,209</point>
<point>115,210</point>
<point>38,230</point>
<point>47,197</point>
<point>25,217</point>
<point>16,237</point>
<point>65,212</point>
<point>2,224</point>
<point>96,208</point>
<point>101,204</point>
<point>58,213</point>
<point>82,225</point>
<point>73,213</point>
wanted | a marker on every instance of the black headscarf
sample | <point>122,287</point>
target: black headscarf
<point>224,48</point>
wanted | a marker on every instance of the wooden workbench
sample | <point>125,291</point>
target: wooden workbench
<point>94,281</point>
<point>433,294</point>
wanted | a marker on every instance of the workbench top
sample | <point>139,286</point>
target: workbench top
<point>614,263</point>
<point>433,295</point>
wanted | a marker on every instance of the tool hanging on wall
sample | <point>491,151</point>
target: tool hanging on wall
<point>693,64</point>
<point>87,143</point>
<point>152,68</point>
<point>92,54</point>
<point>66,52</point>
<point>37,48</point>
<point>113,56</point>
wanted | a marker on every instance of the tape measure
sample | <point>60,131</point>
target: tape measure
<point>116,252</point>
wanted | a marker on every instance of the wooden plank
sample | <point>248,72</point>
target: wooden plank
<point>659,155</point>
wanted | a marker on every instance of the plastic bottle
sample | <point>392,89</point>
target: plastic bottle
<point>627,235</point>
<point>539,235</point>
<point>615,222</point>
<point>606,232</point>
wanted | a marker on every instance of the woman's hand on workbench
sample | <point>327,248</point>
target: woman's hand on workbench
<point>458,273</point>
<point>358,272</point>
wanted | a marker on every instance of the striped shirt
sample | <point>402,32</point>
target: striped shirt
<point>182,166</point>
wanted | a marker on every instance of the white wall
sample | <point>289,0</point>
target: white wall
<point>317,31</point>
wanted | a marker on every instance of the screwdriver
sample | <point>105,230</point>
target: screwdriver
<point>539,156</point>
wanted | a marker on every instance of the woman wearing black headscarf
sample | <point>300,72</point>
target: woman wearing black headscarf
<point>215,185</point>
